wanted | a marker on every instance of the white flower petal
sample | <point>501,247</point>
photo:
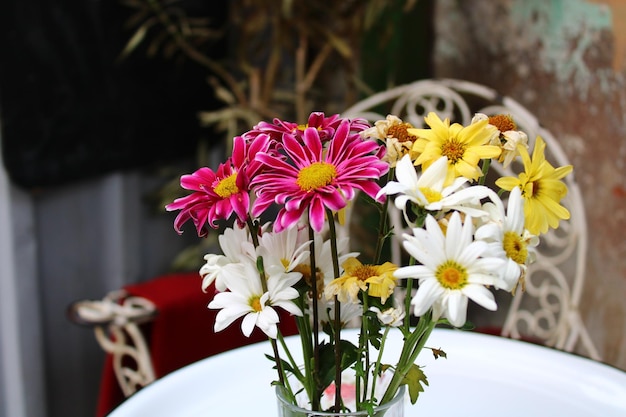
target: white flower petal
<point>456,308</point>
<point>248,323</point>
<point>427,293</point>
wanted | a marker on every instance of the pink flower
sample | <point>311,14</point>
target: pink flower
<point>326,126</point>
<point>244,153</point>
<point>317,177</point>
<point>274,130</point>
<point>216,196</point>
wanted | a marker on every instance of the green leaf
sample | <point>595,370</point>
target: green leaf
<point>414,380</point>
<point>349,355</point>
<point>374,333</point>
<point>286,367</point>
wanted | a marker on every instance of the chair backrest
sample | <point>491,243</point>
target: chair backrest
<point>548,309</point>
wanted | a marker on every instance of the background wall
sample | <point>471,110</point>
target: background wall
<point>566,61</point>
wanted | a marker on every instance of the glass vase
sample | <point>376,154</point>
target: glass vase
<point>394,408</point>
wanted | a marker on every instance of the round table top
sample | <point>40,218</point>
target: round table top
<point>483,376</point>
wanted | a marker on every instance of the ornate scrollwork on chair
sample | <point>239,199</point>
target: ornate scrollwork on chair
<point>116,320</point>
<point>548,309</point>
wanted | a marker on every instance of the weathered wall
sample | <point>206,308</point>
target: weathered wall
<point>565,60</point>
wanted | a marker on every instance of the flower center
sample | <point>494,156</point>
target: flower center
<point>515,247</point>
<point>303,127</point>
<point>451,275</point>
<point>316,175</point>
<point>255,303</point>
<point>530,189</point>
<point>399,132</point>
<point>227,186</point>
<point>453,149</point>
<point>431,195</point>
<point>364,272</point>
<point>504,122</point>
<point>535,188</point>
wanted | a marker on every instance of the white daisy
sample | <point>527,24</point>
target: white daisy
<point>236,245</point>
<point>494,138</point>
<point>507,140</point>
<point>510,148</point>
<point>508,238</point>
<point>348,313</point>
<point>453,268</point>
<point>246,299</point>
<point>282,251</point>
<point>390,317</point>
<point>428,190</point>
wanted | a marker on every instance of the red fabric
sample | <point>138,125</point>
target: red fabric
<point>181,333</point>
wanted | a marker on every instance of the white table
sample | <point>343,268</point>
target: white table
<point>483,376</point>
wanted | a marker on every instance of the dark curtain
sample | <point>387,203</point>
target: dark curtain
<point>71,110</point>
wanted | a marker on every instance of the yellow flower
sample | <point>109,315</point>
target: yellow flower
<point>464,146</point>
<point>357,276</point>
<point>541,188</point>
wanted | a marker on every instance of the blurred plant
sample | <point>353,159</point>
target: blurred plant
<point>285,59</point>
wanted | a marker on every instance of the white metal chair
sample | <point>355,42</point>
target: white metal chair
<point>548,309</point>
<point>116,320</point>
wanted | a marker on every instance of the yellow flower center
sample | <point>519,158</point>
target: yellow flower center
<point>316,175</point>
<point>284,262</point>
<point>255,303</point>
<point>515,247</point>
<point>504,122</point>
<point>364,272</point>
<point>431,195</point>
<point>530,189</point>
<point>399,132</point>
<point>227,186</point>
<point>453,149</point>
<point>304,127</point>
<point>451,275</point>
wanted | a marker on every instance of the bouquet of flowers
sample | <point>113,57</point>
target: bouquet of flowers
<point>286,188</point>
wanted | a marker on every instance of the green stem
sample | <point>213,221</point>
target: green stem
<point>485,169</point>
<point>294,366</point>
<point>383,224</point>
<point>337,323</point>
<point>379,359</point>
<point>253,229</point>
<point>364,351</point>
<point>315,393</point>
<point>413,345</point>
